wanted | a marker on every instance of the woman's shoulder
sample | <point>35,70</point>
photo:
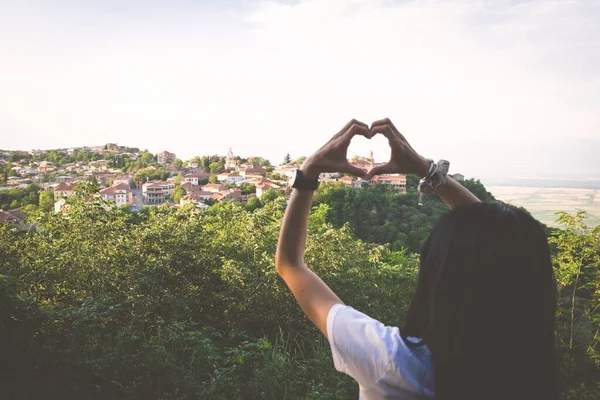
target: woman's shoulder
<point>378,355</point>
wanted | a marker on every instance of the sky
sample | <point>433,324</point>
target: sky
<point>499,88</point>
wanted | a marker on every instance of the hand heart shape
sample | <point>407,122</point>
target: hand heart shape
<point>332,157</point>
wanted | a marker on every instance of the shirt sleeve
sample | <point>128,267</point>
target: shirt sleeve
<point>361,346</point>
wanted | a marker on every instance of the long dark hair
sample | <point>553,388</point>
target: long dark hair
<point>485,305</point>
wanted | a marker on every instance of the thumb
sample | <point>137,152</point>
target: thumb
<point>382,169</point>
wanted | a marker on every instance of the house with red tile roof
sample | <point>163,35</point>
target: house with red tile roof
<point>396,181</point>
<point>213,187</point>
<point>13,217</point>
<point>263,186</point>
<point>120,193</point>
<point>64,189</point>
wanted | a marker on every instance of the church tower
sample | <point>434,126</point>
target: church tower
<point>371,159</point>
<point>230,163</point>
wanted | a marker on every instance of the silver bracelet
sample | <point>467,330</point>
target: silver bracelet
<point>435,178</point>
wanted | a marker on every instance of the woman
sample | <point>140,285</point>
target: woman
<point>481,322</point>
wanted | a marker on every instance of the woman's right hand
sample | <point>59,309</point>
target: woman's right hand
<point>404,159</point>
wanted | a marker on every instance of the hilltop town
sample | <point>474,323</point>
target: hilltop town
<point>129,177</point>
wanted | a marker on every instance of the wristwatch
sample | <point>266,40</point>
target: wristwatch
<point>302,182</point>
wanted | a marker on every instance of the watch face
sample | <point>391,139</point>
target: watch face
<point>294,178</point>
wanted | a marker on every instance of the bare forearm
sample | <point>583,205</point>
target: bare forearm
<point>292,239</point>
<point>454,194</point>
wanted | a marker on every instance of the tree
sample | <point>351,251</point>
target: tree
<point>178,193</point>
<point>248,188</point>
<point>477,188</point>
<point>47,200</point>
<point>287,159</point>
<point>260,162</point>
<point>84,189</point>
<point>213,179</point>
<point>578,274</point>
<point>299,160</point>
<point>178,179</point>
<point>270,195</point>
<point>178,163</point>
<point>216,167</point>
<point>253,203</point>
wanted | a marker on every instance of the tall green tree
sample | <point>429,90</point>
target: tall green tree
<point>47,200</point>
<point>577,271</point>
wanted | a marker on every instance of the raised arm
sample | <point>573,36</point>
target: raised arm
<point>405,160</point>
<point>313,295</point>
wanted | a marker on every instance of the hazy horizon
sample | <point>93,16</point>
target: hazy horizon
<point>501,89</point>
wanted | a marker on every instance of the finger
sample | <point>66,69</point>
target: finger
<point>386,121</point>
<point>356,129</point>
<point>380,170</point>
<point>385,130</point>
<point>348,125</point>
<point>351,169</point>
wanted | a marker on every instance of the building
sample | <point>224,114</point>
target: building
<point>285,170</point>
<point>64,189</point>
<point>262,187</point>
<point>213,187</point>
<point>329,175</point>
<point>14,180</point>
<point>164,157</point>
<point>252,171</point>
<point>197,198</point>
<point>60,205</point>
<point>46,166</point>
<point>396,181</point>
<point>119,193</point>
<point>13,217</point>
<point>157,192</point>
<point>230,178</point>
<point>228,195</point>
<point>231,162</point>
<point>352,181</point>
<point>458,177</point>
<point>122,179</point>
<point>195,179</point>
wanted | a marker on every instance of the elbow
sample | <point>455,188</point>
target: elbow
<point>281,262</point>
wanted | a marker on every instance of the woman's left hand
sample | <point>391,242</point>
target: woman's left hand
<point>332,157</point>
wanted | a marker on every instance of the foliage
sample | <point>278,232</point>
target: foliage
<point>247,188</point>
<point>299,160</point>
<point>103,303</point>
<point>260,162</point>
<point>253,203</point>
<point>216,167</point>
<point>150,174</point>
<point>270,195</point>
<point>178,193</point>
<point>577,265</point>
<point>19,197</point>
<point>287,159</point>
<point>176,304</point>
<point>46,200</point>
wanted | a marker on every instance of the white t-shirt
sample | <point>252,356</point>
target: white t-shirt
<point>377,357</point>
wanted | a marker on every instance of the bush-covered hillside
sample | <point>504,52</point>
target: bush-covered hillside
<point>178,304</point>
